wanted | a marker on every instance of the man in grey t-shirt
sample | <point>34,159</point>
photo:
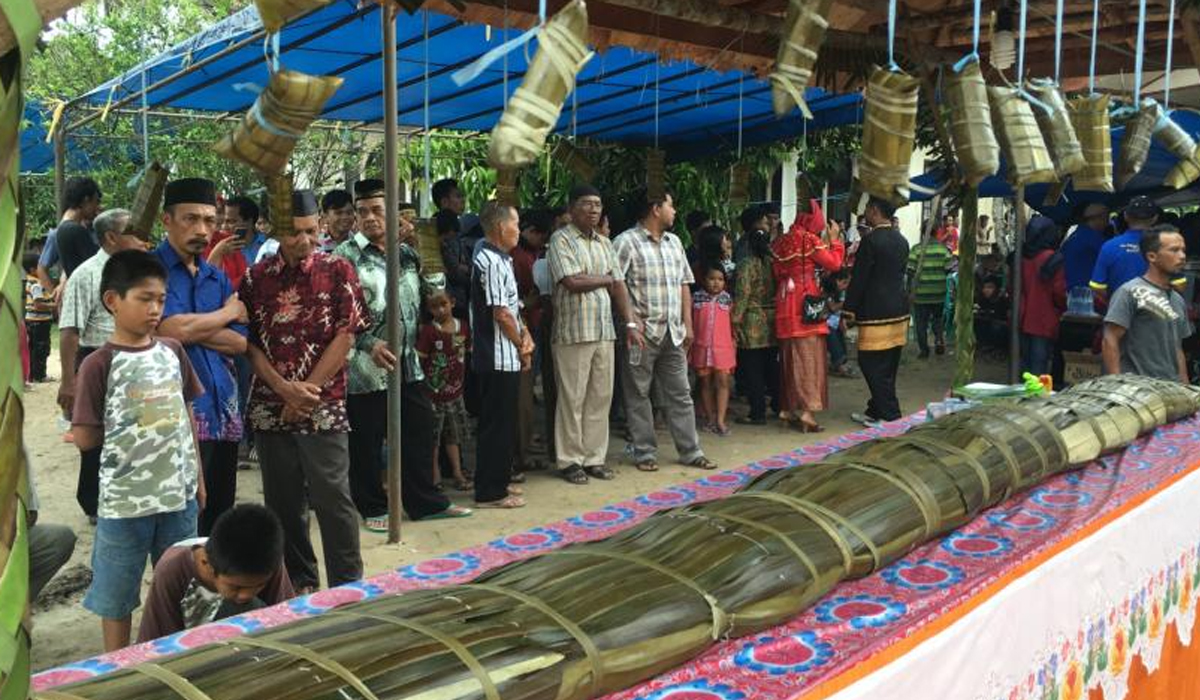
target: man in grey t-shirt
<point>1147,319</point>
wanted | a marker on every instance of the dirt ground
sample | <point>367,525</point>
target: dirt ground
<point>64,631</point>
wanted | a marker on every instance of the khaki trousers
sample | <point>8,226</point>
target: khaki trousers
<point>584,377</point>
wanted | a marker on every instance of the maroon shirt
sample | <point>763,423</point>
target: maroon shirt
<point>443,360</point>
<point>523,259</point>
<point>295,313</point>
<point>174,577</point>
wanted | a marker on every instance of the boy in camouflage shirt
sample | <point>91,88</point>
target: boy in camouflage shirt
<point>132,400</point>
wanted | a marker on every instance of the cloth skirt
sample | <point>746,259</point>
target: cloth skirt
<point>803,379</point>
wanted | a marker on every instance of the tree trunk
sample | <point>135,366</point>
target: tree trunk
<point>964,302</point>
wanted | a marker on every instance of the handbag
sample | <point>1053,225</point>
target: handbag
<point>812,311</point>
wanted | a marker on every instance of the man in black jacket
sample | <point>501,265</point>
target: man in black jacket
<point>878,304</point>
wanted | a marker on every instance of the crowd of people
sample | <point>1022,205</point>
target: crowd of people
<point>228,343</point>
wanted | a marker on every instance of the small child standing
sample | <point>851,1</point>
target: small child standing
<point>834,287</point>
<point>236,569</point>
<point>442,345</point>
<point>39,315</point>
<point>713,354</point>
<point>132,399</point>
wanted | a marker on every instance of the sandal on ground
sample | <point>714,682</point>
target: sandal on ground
<point>451,512</point>
<point>600,472</point>
<point>721,431</point>
<point>646,465</point>
<point>806,427</point>
<point>378,523</point>
<point>701,462</point>
<point>574,474</point>
<point>506,502</point>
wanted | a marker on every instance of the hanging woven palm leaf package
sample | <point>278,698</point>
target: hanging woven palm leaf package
<point>276,13</point>
<point>147,200</point>
<point>975,145</point>
<point>889,130</point>
<point>267,135</point>
<point>1089,116</point>
<point>803,33</point>
<point>572,158</point>
<point>1057,131</point>
<point>1135,144</point>
<point>1020,138</point>
<point>534,108</point>
<point>1181,145</point>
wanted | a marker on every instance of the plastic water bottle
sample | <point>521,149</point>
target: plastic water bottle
<point>635,354</point>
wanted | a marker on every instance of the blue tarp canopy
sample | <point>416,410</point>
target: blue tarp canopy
<point>698,108</point>
<point>1149,181</point>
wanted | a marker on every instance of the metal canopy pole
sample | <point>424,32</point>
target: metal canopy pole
<point>392,226</point>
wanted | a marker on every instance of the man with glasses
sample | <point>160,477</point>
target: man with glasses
<point>85,325</point>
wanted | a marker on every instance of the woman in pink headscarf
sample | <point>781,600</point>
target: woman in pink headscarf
<point>807,247</point>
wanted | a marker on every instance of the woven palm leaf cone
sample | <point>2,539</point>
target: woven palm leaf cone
<point>739,185</point>
<point>279,204</point>
<point>889,130</point>
<point>596,617</point>
<point>267,135</point>
<point>1181,145</point>
<point>656,173</point>
<point>1135,146</point>
<point>975,145</point>
<point>276,13</point>
<point>1089,116</point>
<point>533,110</point>
<point>803,33</point>
<point>567,155</point>
<point>147,200</point>
<point>1057,131</point>
<point>1025,152</point>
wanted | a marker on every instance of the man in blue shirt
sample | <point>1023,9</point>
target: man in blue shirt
<point>1081,249</point>
<point>203,312</point>
<point>1120,258</point>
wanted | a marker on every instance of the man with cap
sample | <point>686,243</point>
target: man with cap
<point>305,307</point>
<point>1120,258</point>
<point>203,313</point>
<point>370,362</point>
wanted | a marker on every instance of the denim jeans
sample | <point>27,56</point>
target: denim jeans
<point>837,348</point>
<point>1037,353</point>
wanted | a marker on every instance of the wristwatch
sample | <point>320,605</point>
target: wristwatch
<point>632,325</point>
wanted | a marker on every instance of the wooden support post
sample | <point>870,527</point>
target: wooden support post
<point>964,300</point>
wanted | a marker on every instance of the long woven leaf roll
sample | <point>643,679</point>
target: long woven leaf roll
<point>1057,130</point>
<point>1135,146</point>
<point>1025,151</point>
<point>889,130</point>
<point>975,145</point>
<point>1089,116</point>
<point>596,617</point>
<point>534,108</point>
<point>803,33</point>
<point>1182,146</point>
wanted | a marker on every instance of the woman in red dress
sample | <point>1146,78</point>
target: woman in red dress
<point>807,247</point>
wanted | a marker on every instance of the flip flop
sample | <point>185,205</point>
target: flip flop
<point>452,512</point>
<point>376,524</point>
<point>600,472</point>
<point>701,462</point>
<point>646,465</point>
<point>574,474</point>
<point>507,502</point>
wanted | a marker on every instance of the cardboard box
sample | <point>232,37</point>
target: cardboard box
<point>1080,366</point>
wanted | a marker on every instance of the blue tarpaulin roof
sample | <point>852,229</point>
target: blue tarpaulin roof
<point>615,100</point>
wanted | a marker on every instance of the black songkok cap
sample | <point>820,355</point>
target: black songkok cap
<point>368,189</point>
<point>304,203</point>
<point>190,190</point>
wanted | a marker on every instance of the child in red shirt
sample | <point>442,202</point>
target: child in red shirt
<point>442,345</point>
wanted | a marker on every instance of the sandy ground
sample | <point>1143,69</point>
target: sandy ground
<point>64,631</point>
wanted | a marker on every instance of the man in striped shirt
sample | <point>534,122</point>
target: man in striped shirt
<point>657,275</point>
<point>501,349</point>
<point>929,263</point>
<point>587,282</point>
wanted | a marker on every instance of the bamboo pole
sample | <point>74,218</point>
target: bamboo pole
<point>1014,325</point>
<point>964,303</point>
<point>394,327</point>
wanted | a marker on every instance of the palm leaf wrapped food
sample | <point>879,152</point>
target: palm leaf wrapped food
<point>975,145</point>
<point>1135,146</point>
<point>267,135</point>
<point>592,618</point>
<point>568,155</point>
<point>1181,145</point>
<point>889,130</point>
<point>1021,140</point>
<point>1089,116</point>
<point>803,33</point>
<point>534,108</point>
<point>147,200</point>
<point>276,13</point>
<point>1057,130</point>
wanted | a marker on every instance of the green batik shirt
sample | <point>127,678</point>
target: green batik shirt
<point>364,376</point>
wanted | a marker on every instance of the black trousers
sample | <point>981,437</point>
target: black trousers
<point>759,369</point>
<point>87,487</point>
<point>220,481</point>
<point>879,368</point>
<point>549,386</point>
<point>37,334</point>
<point>496,444</point>
<point>368,415</point>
